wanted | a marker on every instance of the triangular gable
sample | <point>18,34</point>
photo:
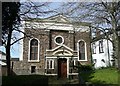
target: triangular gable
<point>62,49</point>
<point>58,18</point>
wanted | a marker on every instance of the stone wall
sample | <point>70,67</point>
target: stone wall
<point>24,68</point>
<point>70,40</point>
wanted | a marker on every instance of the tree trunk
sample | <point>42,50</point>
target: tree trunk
<point>119,53</point>
<point>115,35</point>
<point>8,53</point>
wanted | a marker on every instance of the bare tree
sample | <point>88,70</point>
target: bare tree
<point>18,12</point>
<point>104,16</point>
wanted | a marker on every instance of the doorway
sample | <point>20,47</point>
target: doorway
<point>62,67</point>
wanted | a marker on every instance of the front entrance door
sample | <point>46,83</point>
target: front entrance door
<point>62,68</point>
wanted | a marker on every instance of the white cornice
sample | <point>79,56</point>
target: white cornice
<point>60,47</point>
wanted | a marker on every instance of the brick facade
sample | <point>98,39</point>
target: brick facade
<point>49,50</point>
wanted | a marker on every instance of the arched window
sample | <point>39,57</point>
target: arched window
<point>33,49</point>
<point>81,50</point>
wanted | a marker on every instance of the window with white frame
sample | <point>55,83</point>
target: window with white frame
<point>74,62</point>
<point>101,46</point>
<point>33,50</point>
<point>94,48</point>
<point>81,50</point>
<point>59,40</point>
<point>50,64</point>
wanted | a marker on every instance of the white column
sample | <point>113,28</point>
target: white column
<point>21,41</point>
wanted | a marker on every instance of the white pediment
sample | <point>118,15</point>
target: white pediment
<point>61,50</point>
<point>58,18</point>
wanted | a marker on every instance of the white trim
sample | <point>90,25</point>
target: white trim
<point>67,47</point>
<point>75,57</point>
<point>47,57</point>
<point>67,58</point>
<point>33,60</point>
<point>50,57</point>
<point>74,62</point>
<point>51,25</point>
<point>54,48</point>
<point>73,73</point>
<point>38,51</point>
<point>53,65</point>
<point>69,53</point>
<point>67,67</point>
<point>54,25</point>
<point>60,37</point>
<point>59,47</point>
<point>51,74</point>
<point>21,41</point>
<point>85,50</point>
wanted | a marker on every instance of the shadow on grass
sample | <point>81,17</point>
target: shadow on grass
<point>25,80</point>
<point>102,83</point>
<point>85,73</point>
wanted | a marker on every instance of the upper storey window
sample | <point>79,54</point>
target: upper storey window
<point>59,40</point>
<point>94,48</point>
<point>34,50</point>
<point>101,46</point>
<point>82,51</point>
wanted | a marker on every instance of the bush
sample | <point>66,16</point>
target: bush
<point>86,67</point>
<point>85,72</point>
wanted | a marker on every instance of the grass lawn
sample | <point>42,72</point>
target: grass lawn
<point>100,76</point>
<point>105,76</point>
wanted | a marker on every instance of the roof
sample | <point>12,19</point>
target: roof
<point>14,59</point>
<point>59,18</point>
<point>102,36</point>
<point>2,63</point>
<point>2,53</point>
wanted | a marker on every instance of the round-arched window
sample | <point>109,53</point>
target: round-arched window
<point>59,40</point>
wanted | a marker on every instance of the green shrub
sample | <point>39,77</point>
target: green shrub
<point>86,67</point>
<point>85,72</point>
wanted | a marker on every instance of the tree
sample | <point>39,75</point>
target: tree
<point>12,15</point>
<point>104,16</point>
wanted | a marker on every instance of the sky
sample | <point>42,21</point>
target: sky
<point>16,48</point>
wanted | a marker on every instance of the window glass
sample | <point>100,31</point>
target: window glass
<point>101,47</point>
<point>50,64</point>
<point>33,49</point>
<point>59,40</point>
<point>81,50</point>
<point>33,69</point>
<point>93,48</point>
